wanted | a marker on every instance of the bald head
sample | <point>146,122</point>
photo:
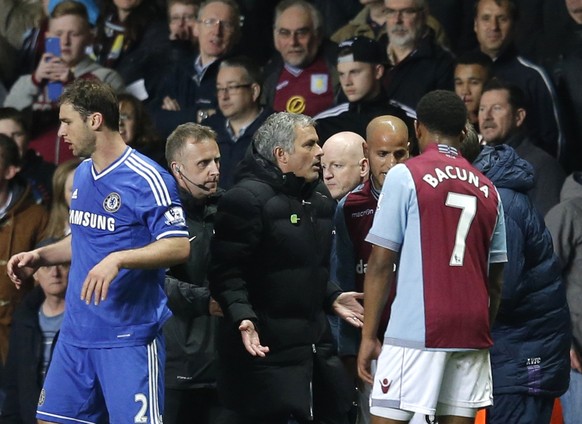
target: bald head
<point>343,163</point>
<point>387,145</point>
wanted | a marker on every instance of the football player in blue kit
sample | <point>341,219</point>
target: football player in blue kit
<point>127,226</point>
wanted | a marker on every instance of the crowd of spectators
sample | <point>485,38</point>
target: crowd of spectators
<point>230,64</point>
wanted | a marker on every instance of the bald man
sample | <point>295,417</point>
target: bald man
<point>386,145</point>
<point>344,164</point>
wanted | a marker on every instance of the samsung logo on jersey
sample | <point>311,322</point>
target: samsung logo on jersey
<point>454,173</point>
<point>91,220</point>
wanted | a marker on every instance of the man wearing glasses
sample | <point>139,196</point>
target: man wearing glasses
<point>240,114</point>
<point>302,77</point>
<point>419,64</point>
<point>188,91</point>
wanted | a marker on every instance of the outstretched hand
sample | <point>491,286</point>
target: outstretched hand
<point>349,308</point>
<point>21,266</point>
<point>250,339</point>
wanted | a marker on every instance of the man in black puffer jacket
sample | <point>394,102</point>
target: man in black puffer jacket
<point>269,273</point>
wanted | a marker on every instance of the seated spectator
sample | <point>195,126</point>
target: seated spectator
<point>128,33</point>
<point>137,129</point>
<point>419,64</point>
<point>22,225</point>
<point>180,46</point>
<point>371,22</point>
<point>240,114</point>
<point>188,90</point>
<point>58,223</point>
<point>31,44</point>
<point>343,163</point>
<point>17,19</point>
<point>472,71</point>
<point>531,333</point>
<point>33,168</point>
<point>494,26</point>
<point>361,65</point>
<point>34,332</point>
<point>301,77</point>
<point>502,116</point>
<point>69,22</point>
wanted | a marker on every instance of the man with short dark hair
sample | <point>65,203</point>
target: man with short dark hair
<point>494,27</point>
<point>238,88</point>
<point>361,63</point>
<point>270,275</point>
<point>127,226</point>
<point>472,71</point>
<point>438,234</point>
<point>502,116</point>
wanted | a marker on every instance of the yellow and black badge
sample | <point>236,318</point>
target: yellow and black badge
<point>295,104</point>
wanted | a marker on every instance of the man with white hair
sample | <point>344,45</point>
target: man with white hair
<point>419,64</point>
<point>301,77</point>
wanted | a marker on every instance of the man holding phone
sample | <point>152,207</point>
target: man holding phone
<point>65,59</point>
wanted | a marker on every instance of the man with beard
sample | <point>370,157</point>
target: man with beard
<point>419,64</point>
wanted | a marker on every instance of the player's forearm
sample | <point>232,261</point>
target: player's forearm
<point>162,253</point>
<point>495,285</point>
<point>379,280</point>
<point>57,253</point>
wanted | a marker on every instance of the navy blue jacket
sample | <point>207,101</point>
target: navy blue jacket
<point>190,92</point>
<point>231,152</point>
<point>531,334</point>
<point>542,119</point>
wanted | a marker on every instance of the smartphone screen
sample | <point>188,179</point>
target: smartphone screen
<point>52,45</point>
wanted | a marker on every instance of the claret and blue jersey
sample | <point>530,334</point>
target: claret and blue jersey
<point>446,221</point>
<point>128,205</point>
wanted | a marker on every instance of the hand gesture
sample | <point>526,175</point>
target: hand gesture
<point>369,350</point>
<point>348,308</point>
<point>250,339</point>
<point>21,266</point>
<point>99,278</point>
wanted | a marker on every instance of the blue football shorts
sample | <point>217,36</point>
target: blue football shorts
<point>104,385</point>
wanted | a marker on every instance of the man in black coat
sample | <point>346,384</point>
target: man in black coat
<point>194,160</point>
<point>270,275</point>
